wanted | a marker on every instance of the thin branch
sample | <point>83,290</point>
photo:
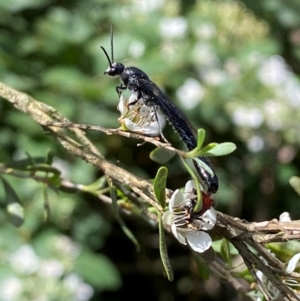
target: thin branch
<point>153,140</point>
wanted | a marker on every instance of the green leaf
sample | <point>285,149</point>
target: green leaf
<point>13,204</point>
<point>16,214</point>
<point>161,155</point>
<point>46,201</point>
<point>198,205</point>
<point>159,185</point>
<point>295,183</point>
<point>204,166</point>
<point>24,164</point>
<point>32,164</point>
<point>225,252</point>
<point>220,149</point>
<point>200,138</point>
<point>44,167</point>
<point>217,245</point>
<point>125,229</point>
<point>207,148</point>
<point>98,271</point>
<point>54,182</point>
<point>163,249</point>
<point>197,152</point>
<point>49,157</point>
<point>202,267</point>
<point>94,187</point>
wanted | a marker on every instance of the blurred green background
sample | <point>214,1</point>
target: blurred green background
<point>233,68</point>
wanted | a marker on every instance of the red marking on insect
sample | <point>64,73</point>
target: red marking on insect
<point>207,202</point>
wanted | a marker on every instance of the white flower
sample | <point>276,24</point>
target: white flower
<point>24,260</point>
<point>285,217</point>
<point>171,28</point>
<point>188,226</point>
<point>293,263</point>
<point>252,118</point>
<point>66,246</point>
<point>273,290</point>
<point>205,31</point>
<point>273,71</point>
<point>146,6</point>
<point>136,48</point>
<point>190,93</point>
<point>51,268</point>
<point>81,290</point>
<point>213,76</point>
<point>10,289</point>
<point>140,118</point>
<point>255,144</point>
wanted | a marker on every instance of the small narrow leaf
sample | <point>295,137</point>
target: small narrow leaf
<point>24,164</point>
<point>207,148</point>
<point>44,167</point>
<point>95,186</point>
<point>225,252</point>
<point>204,166</point>
<point>198,205</point>
<point>14,207</point>
<point>161,155</point>
<point>196,152</point>
<point>125,229</point>
<point>46,201</point>
<point>54,181</point>
<point>217,244</point>
<point>159,185</point>
<point>295,183</point>
<point>49,157</point>
<point>163,249</point>
<point>221,149</point>
<point>16,214</point>
<point>200,138</point>
<point>202,267</point>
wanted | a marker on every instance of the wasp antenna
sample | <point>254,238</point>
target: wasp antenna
<point>106,56</point>
<point>112,42</point>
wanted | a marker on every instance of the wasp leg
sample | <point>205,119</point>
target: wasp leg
<point>119,89</point>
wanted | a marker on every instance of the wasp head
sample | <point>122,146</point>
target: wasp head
<point>115,69</point>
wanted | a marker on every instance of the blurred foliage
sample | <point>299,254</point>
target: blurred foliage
<point>233,68</point>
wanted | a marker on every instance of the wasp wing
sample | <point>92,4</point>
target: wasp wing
<point>152,95</point>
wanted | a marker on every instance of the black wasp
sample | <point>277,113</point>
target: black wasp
<point>140,84</point>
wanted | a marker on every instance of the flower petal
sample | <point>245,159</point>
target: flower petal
<point>176,200</point>
<point>198,240</point>
<point>189,190</point>
<point>284,217</point>
<point>293,263</point>
<point>133,127</point>
<point>168,218</point>
<point>207,220</point>
<point>122,105</point>
<point>180,237</point>
<point>132,98</point>
<point>151,130</point>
